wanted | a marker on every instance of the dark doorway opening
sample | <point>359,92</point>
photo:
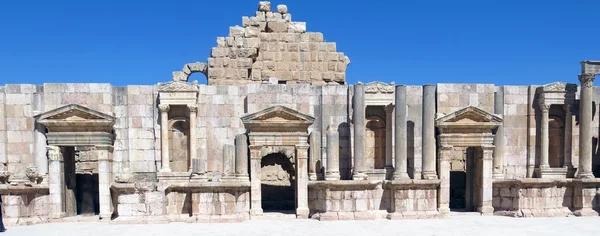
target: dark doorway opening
<point>466,183</point>
<point>81,188</point>
<point>278,183</point>
<point>458,189</point>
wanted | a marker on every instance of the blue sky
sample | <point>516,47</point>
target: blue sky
<point>506,42</point>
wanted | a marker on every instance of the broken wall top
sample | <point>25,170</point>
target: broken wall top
<point>270,47</point>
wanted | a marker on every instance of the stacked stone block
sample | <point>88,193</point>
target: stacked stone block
<point>515,130</point>
<point>452,97</point>
<point>19,124</point>
<point>143,130</point>
<point>270,45</point>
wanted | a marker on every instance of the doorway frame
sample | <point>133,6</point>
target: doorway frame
<point>75,125</point>
<point>467,127</point>
<point>278,126</point>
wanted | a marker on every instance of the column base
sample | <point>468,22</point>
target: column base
<point>165,170</point>
<point>486,210</point>
<point>400,176</point>
<point>106,216</point>
<point>429,175</point>
<point>360,176</point>
<point>585,175</point>
<point>332,176</point>
<point>302,213</point>
<point>497,176</point>
<point>444,210</point>
<point>256,212</point>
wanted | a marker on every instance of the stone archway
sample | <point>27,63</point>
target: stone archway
<point>469,127</point>
<point>275,128</point>
<point>77,126</point>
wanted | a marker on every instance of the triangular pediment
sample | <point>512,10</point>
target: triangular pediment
<point>559,87</point>
<point>379,87</point>
<point>73,113</point>
<point>470,115</point>
<point>277,114</point>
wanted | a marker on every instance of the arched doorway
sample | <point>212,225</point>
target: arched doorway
<point>278,183</point>
<point>375,142</point>
<point>179,144</point>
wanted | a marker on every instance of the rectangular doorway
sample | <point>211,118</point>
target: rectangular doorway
<point>81,182</point>
<point>465,184</point>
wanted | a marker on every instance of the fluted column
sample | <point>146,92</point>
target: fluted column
<point>104,180</point>
<point>568,138</point>
<point>164,137</point>
<point>428,128</point>
<point>585,126</point>
<point>359,132</point>
<point>333,154</point>
<point>498,171</point>
<point>56,182</point>
<point>400,150</point>
<point>193,138</point>
<point>315,155</point>
<point>545,138</point>
<point>241,157</point>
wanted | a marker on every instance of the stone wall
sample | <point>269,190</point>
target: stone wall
<point>18,202</point>
<point>271,45</point>
<point>516,108</point>
<point>348,200</point>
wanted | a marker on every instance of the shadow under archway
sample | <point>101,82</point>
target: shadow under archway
<point>278,183</point>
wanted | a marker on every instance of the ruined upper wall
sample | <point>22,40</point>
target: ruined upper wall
<point>271,47</point>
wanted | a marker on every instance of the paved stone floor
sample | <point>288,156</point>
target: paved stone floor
<point>454,225</point>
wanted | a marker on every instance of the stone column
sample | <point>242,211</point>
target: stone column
<point>241,157</point>
<point>302,210</point>
<point>389,138</point>
<point>359,132</point>
<point>255,183</point>
<point>41,161</point>
<point>568,134</point>
<point>444,193</point>
<point>56,182</point>
<point>400,148</point>
<point>315,155</point>
<point>428,132</point>
<point>104,180</point>
<point>193,137</point>
<point>498,172</point>
<point>585,126</point>
<point>486,207</point>
<point>229,163</point>
<point>545,137</point>
<point>164,137</point>
<point>333,154</point>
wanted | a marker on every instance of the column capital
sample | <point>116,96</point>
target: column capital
<point>164,107</point>
<point>54,153</point>
<point>545,107</point>
<point>587,80</point>
<point>193,108</point>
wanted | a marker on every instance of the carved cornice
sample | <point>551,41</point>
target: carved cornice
<point>178,86</point>
<point>164,107</point>
<point>587,80</point>
<point>560,87</point>
<point>379,87</point>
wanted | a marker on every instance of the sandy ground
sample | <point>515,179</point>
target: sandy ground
<point>454,225</point>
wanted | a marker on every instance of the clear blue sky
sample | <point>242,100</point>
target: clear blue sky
<point>409,42</point>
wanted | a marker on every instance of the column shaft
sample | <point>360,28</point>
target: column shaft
<point>389,137</point>
<point>241,156</point>
<point>486,207</point>
<point>585,126</point>
<point>545,137</point>
<point>41,161</point>
<point>315,155</point>
<point>164,137</point>
<point>400,147</point>
<point>444,193</point>
<point>56,182</point>
<point>255,184</point>
<point>568,134</point>
<point>428,128</point>
<point>498,171</point>
<point>104,181</point>
<point>333,154</point>
<point>193,138</point>
<point>302,210</point>
<point>359,132</point>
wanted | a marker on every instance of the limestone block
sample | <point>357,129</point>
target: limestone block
<point>277,27</point>
<point>297,27</point>
<point>264,6</point>
<point>283,9</point>
<point>251,32</point>
<point>287,17</point>
<point>138,209</point>
<point>236,31</point>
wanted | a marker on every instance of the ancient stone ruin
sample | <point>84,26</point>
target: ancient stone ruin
<point>277,132</point>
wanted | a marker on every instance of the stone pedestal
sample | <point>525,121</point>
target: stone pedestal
<point>400,147</point>
<point>164,137</point>
<point>359,132</point>
<point>333,154</point>
<point>428,132</point>
<point>585,126</point>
